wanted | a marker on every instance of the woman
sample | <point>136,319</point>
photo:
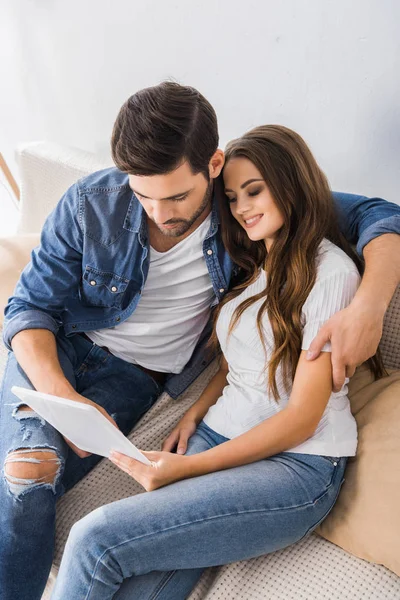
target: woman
<point>268,441</point>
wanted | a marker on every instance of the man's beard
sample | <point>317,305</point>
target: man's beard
<point>184,225</point>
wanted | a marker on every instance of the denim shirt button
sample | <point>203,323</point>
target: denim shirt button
<point>114,289</point>
<point>221,291</point>
<point>209,252</point>
<point>93,282</point>
<point>118,319</point>
<point>73,326</point>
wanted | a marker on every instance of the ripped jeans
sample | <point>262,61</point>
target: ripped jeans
<point>37,464</point>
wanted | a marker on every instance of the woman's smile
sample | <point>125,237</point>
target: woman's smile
<point>252,221</point>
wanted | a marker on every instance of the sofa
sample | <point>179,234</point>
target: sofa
<point>314,568</point>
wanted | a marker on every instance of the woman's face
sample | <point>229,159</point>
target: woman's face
<point>250,201</point>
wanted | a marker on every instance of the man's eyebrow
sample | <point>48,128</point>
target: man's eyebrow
<point>168,198</point>
<point>246,183</point>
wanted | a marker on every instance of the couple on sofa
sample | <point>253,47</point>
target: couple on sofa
<point>143,273</point>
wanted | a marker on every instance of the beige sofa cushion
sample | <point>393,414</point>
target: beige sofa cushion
<point>366,517</point>
<point>14,256</point>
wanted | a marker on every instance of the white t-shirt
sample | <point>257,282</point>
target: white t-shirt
<point>172,312</point>
<point>245,401</point>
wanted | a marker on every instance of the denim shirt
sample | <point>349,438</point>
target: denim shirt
<point>93,259</point>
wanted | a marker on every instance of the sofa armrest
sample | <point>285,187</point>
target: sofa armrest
<point>15,254</point>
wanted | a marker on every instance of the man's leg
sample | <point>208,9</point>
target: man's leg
<point>32,456</point>
<point>38,464</point>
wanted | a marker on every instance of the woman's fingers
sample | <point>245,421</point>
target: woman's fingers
<point>179,438</point>
<point>130,465</point>
<point>170,442</point>
<point>146,475</point>
<point>183,441</point>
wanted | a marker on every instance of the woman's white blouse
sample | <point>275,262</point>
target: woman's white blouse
<point>245,401</point>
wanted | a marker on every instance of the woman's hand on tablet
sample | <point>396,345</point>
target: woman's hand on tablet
<point>180,435</point>
<point>78,398</point>
<point>166,468</point>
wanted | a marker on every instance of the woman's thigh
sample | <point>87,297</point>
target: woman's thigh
<point>176,584</point>
<point>215,519</point>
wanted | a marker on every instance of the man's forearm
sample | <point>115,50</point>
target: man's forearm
<point>382,273</point>
<point>36,353</point>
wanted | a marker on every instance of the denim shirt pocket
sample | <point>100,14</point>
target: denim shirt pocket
<point>102,288</point>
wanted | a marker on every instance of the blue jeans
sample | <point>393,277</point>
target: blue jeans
<point>27,515</point>
<point>155,545</point>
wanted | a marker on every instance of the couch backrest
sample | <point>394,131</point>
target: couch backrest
<point>47,170</point>
<point>390,343</point>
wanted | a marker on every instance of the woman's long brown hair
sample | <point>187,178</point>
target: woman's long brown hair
<point>301,193</point>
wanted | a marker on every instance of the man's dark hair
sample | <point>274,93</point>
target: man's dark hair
<point>160,127</point>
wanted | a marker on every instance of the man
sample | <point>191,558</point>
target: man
<point>114,305</point>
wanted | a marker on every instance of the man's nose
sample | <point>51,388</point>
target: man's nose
<point>161,214</point>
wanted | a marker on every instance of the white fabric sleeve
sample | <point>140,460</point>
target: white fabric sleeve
<point>328,296</point>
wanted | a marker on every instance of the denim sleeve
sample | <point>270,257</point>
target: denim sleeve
<point>362,219</point>
<point>53,273</point>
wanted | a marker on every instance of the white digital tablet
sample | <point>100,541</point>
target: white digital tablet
<point>82,424</point>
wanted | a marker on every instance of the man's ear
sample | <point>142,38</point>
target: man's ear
<point>216,163</point>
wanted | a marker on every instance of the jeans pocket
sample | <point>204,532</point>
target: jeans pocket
<point>337,487</point>
<point>332,459</point>
<point>91,361</point>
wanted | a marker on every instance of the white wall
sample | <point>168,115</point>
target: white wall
<point>329,69</point>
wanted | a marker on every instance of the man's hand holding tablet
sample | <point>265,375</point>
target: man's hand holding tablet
<point>85,425</point>
<point>79,398</point>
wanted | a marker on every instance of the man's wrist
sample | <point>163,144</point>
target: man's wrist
<point>362,303</point>
<point>60,388</point>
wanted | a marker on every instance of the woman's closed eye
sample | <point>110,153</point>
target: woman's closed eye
<point>254,193</point>
<point>251,194</point>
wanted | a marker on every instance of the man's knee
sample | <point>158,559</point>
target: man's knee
<point>28,468</point>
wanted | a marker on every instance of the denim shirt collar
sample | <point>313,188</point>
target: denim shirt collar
<point>135,220</point>
<point>215,221</point>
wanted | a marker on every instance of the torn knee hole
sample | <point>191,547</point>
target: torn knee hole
<point>24,407</point>
<point>26,414</point>
<point>23,412</point>
<point>27,466</point>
